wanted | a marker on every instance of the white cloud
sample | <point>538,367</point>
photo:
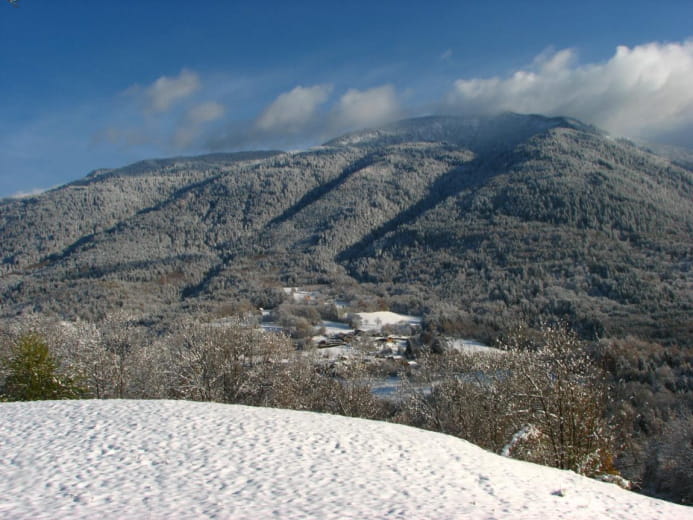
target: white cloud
<point>162,126</point>
<point>642,91</point>
<point>296,118</point>
<point>445,55</point>
<point>364,108</point>
<point>194,120</point>
<point>184,136</point>
<point>165,91</point>
<point>292,111</point>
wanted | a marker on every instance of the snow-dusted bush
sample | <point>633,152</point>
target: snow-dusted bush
<point>231,363</point>
<point>113,356</point>
<point>566,399</point>
<point>541,400</point>
<point>304,384</point>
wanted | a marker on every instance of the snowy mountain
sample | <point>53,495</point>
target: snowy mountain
<point>505,215</point>
<point>176,459</point>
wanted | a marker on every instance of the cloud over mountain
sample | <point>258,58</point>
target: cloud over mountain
<point>364,108</point>
<point>640,92</point>
<point>293,110</point>
<point>165,91</point>
<point>643,91</point>
<point>310,115</point>
<point>194,121</point>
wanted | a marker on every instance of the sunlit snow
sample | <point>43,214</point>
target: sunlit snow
<point>175,459</point>
<point>376,320</point>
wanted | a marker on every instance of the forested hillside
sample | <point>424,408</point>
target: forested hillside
<point>487,220</point>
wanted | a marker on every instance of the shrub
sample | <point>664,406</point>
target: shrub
<point>233,363</point>
<point>304,384</point>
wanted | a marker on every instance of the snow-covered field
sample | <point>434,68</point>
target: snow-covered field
<point>175,459</point>
<point>376,320</point>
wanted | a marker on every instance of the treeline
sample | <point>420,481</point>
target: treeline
<point>653,386</point>
<point>231,361</point>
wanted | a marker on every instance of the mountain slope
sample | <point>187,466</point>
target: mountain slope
<point>499,217</point>
<point>36,227</point>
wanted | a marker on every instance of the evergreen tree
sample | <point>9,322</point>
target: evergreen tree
<point>32,373</point>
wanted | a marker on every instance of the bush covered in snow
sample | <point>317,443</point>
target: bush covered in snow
<point>540,399</point>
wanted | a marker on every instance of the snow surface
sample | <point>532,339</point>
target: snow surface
<point>472,346</point>
<point>176,459</point>
<point>299,295</point>
<point>334,353</point>
<point>332,328</point>
<point>376,320</point>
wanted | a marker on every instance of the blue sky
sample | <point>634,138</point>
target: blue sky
<point>87,85</point>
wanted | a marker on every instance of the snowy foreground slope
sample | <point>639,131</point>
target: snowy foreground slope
<point>175,459</point>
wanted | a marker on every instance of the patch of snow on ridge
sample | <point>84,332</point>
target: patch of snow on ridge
<point>177,459</point>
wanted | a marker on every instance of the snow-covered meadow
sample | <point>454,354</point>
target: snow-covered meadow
<point>371,321</point>
<point>177,459</point>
